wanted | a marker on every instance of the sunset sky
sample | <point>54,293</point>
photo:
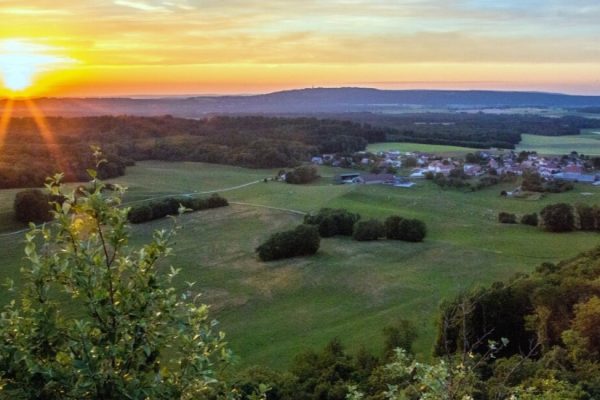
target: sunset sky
<point>156,47</point>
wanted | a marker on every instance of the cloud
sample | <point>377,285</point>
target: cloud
<point>139,5</point>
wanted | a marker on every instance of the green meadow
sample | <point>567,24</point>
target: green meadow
<point>349,289</point>
<point>586,143</point>
<point>419,147</point>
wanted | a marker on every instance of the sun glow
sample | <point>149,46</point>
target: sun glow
<point>21,61</point>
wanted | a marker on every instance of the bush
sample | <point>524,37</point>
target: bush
<point>589,217</point>
<point>558,218</point>
<point>412,230</point>
<point>558,186</point>
<point>333,222</point>
<point>302,174</point>
<point>368,230</point>
<point>507,218</point>
<point>392,227</point>
<point>304,240</point>
<point>140,214</point>
<point>530,219</point>
<point>170,206</point>
<point>33,205</point>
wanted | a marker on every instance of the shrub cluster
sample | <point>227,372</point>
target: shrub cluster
<point>34,205</point>
<point>170,206</point>
<point>530,219</point>
<point>371,229</point>
<point>409,230</point>
<point>507,218</point>
<point>304,240</point>
<point>333,222</point>
<point>559,217</point>
<point>457,179</point>
<point>533,182</point>
<point>302,174</point>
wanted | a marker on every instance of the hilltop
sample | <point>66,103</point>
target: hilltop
<point>303,101</point>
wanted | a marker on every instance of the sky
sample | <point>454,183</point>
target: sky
<point>183,47</point>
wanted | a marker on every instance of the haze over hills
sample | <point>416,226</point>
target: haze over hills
<point>317,100</point>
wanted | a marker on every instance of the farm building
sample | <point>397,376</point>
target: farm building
<point>346,178</point>
<point>575,177</point>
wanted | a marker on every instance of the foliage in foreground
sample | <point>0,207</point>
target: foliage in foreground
<point>551,319</point>
<point>129,334</point>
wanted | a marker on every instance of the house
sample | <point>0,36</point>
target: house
<point>573,169</point>
<point>418,173</point>
<point>402,182</point>
<point>438,167</point>
<point>575,177</point>
<point>346,178</point>
<point>371,179</point>
<point>473,170</point>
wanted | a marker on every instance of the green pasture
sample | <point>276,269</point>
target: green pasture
<point>586,143</point>
<point>349,289</point>
<point>418,147</point>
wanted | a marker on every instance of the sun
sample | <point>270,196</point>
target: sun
<point>21,61</point>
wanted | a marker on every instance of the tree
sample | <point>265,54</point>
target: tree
<point>125,333</point>
<point>302,174</point>
<point>530,219</point>
<point>558,217</point>
<point>368,230</point>
<point>471,158</point>
<point>32,205</point>
<point>507,218</point>
<point>400,335</point>
<point>412,230</point>
<point>333,222</point>
<point>304,240</point>
<point>587,323</point>
<point>587,217</point>
<point>532,182</point>
<point>392,227</point>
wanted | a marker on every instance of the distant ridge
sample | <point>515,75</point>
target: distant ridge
<point>303,101</point>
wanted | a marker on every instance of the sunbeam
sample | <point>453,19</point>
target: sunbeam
<point>48,137</point>
<point>5,122</point>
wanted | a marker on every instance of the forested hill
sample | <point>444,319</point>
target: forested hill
<point>28,157</point>
<point>304,101</point>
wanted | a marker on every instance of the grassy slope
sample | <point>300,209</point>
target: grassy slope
<point>349,289</point>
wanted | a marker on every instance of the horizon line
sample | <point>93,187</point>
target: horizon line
<point>195,95</point>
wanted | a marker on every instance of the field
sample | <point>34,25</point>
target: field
<point>270,311</point>
<point>586,143</point>
<point>424,148</point>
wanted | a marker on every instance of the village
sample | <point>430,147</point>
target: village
<point>402,169</point>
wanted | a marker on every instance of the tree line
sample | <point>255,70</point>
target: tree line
<point>173,206</point>
<point>475,130</point>
<point>255,142</point>
<point>559,217</point>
